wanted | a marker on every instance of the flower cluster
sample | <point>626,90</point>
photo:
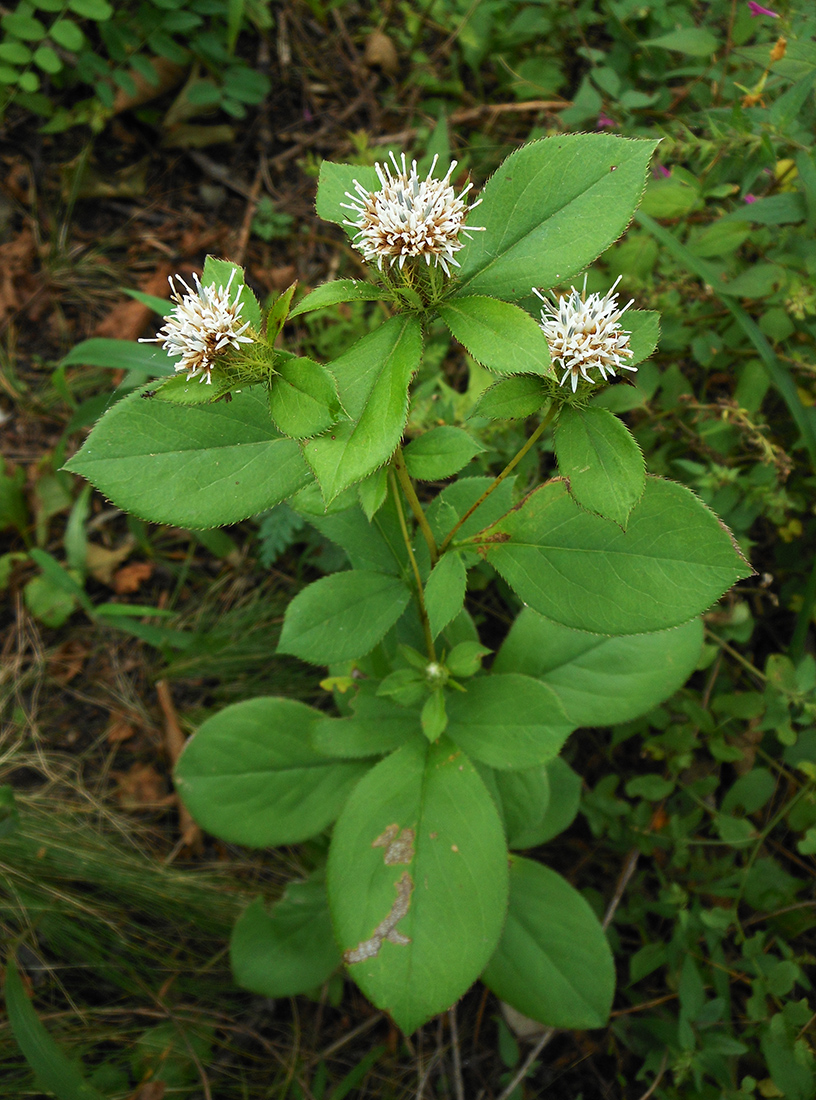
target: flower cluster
<point>202,325</point>
<point>584,334</point>
<point>409,216</point>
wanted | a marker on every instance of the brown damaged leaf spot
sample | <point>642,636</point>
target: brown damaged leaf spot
<point>386,929</point>
<point>399,846</point>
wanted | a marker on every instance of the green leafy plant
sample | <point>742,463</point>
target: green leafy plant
<point>53,47</point>
<point>436,771</point>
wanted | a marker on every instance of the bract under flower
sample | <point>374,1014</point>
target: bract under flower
<point>203,324</point>
<point>409,216</point>
<point>584,334</point>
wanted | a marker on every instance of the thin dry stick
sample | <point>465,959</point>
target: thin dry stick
<point>174,741</point>
<point>658,1078</point>
<point>524,1068</point>
<point>246,226</point>
<point>361,1029</point>
<point>458,1084</point>
<point>620,889</point>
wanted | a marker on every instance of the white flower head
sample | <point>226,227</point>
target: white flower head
<point>584,333</point>
<point>203,323</point>
<point>409,216</point>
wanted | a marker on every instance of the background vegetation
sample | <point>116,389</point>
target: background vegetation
<point>138,137</point>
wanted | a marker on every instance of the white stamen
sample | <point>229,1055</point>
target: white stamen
<point>202,324</point>
<point>409,216</point>
<point>584,334</point>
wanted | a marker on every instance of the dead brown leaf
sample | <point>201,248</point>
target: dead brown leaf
<point>67,661</point>
<point>380,52</point>
<point>103,563</point>
<point>17,262</point>
<point>169,74</point>
<point>128,319</point>
<point>120,729</point>
<point>150,1090</point>
<point>141,787</point>
<point>130,577</point>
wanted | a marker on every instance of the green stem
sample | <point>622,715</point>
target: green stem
<point>423,612</point>
<point>508,469</point>
<point>401,471</point>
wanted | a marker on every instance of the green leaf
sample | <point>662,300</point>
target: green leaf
<point>303,398</point>
<point>376,727</point>
<point>445,591</point>
<point>605,466</point>
<point>417,879</point>
<point>162,306</point>
<point>335,181</point>
<point>513,398</point>
<point>278,314</point>
<point>644,332</point>
<point>694,41</point>
<point>434,717</point>
<point>524,795</point>
<point>289,950</point>
<point>553,962</point>
<point>376,545</point>
<point>508,721</point>
<point>551,208</point>
<point>672,562</point>
<point>372,492</point>
<point>339,290</point>
<point>373,378</point>
<point>498,335</point>
<point>98,10</point>
<point>120,355</point>
<point>342,616</point>
<point>600,680</point>
<point>54,1071</point>
<point>200,466</point>
<point>533,816</point>
<point>440,452</point>
<point>465,659</point>
<point>250,776</point>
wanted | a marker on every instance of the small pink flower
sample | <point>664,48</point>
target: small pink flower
<point>605,123</point>
<point>757,9</point>
<point>660,172</point>
<point>749,198</point>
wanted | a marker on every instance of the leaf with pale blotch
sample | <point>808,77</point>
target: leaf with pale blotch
<point>417,880</point>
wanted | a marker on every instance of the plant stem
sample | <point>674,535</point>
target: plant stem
<point>423,613</point>
<point>401,471</point>
<point>508,469</point>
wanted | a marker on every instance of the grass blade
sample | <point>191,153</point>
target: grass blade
<point>54,1071</point>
